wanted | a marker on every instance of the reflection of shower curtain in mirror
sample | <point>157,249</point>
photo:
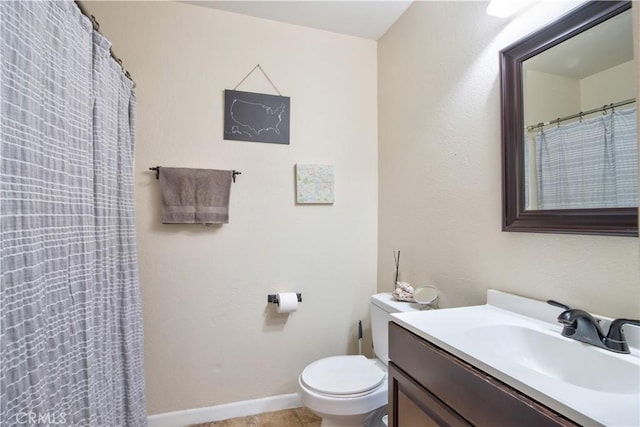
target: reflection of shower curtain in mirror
<point>589,164</point>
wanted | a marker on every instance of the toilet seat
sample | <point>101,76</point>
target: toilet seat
<point>343,376</point>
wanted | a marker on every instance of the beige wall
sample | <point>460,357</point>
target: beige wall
<point>547,96</point>
<point>210,337</point>
<point>440,173</point>
<point>635,10</point>
<point>615,84</point>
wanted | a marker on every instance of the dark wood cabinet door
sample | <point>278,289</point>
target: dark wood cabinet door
<point>473,396</point>
<point>410,405</point>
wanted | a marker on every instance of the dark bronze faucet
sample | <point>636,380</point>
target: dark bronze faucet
<point>582,326</point>
<point>615,337</point>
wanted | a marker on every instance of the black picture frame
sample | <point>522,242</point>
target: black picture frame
<point>256,117</point>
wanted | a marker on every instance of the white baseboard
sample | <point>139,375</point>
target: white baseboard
<point>223,412</point>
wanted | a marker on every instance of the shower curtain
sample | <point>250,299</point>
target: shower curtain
<point>70,313</point>
<point>598,172</point>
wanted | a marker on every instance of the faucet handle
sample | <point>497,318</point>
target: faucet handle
<point>615,338</point>
<point>558,304</point>
<point>569,326</point>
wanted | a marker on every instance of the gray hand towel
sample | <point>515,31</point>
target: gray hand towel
<point>195,196</point>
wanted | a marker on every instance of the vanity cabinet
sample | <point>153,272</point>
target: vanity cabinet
<point>430,387</point>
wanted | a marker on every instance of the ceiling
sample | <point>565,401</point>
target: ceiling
<point>360,18</point>
<point>600,48</point>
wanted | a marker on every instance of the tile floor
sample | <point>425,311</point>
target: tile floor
<point>296,417</point>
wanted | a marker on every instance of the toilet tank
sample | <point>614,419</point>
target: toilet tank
<point>382,305</point>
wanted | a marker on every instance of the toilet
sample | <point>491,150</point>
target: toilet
<point>344,390</point>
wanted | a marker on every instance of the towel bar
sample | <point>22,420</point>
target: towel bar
<point>157,171</point>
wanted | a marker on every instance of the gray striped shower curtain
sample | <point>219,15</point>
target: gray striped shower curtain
<point>591,163</point>
<point>70,313</point>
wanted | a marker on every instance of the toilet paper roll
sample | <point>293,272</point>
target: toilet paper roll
<point>287,302</point>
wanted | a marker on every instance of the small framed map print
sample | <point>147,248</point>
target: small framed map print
<point>256,117</point>
<point>314,184</point>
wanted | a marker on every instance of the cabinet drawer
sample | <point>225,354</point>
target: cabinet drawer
<point>472,393</point>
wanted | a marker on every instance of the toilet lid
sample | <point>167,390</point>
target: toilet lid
<point>343,375</point>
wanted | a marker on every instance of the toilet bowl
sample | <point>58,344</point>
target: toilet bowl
<point>345,390</point>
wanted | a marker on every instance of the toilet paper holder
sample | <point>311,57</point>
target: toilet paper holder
<point>274,298</point>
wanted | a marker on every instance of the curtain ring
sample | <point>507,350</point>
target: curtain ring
<point>604,110</point>
<point>95,23</point>
<point>581,114</point>
<point>558,122</point>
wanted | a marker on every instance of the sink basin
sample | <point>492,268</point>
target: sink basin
<point>558,357</point>
<point>518,341</point>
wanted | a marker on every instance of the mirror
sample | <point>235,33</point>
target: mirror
<point>558,115</point>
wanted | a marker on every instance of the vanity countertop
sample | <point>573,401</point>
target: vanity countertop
<point>518,341</point>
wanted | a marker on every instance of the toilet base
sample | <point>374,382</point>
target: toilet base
<point>345,411</point>
<point>342,420</point>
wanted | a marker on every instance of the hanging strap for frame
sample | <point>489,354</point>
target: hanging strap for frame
<point>265,74</point>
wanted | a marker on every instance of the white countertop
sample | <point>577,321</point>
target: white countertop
<point>457,330</point>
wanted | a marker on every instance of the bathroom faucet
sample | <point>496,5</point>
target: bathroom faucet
<point>615,339</point>
<point>582,326</point>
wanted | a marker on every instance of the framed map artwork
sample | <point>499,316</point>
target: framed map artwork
<point>256,117</point>
<point>314,184</point>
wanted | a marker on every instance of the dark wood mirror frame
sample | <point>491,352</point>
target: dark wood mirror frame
<point>611,221</point>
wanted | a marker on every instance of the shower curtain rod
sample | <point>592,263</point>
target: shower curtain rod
<point>96,27</point>
<point>581,114</point>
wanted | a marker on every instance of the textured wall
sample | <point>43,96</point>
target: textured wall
<point>440,173</point>
<point>210,337</point>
